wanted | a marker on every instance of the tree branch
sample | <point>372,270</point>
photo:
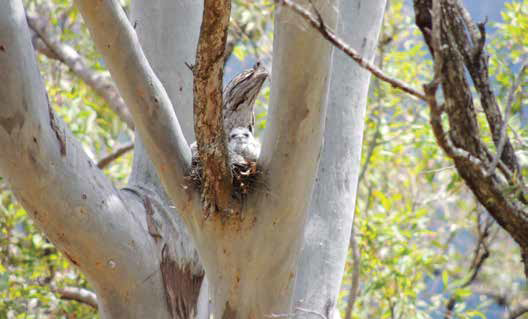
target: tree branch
<point>73,202</point>
<point>293,137</point>
<point>81,295</point>
<point>519,310</point>
<point>319,25</point>
<point>102,85</point>
<point>148,101</point>
<point>329,226</point>
<point>480,254</point>
<point>354,286</point>
<point>439,22</point>
<point>370,151</point>
<point>208,119</point>
<point>105,161</point>
<point>472,50</point>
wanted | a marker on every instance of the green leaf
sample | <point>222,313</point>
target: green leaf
<point>445,278</point>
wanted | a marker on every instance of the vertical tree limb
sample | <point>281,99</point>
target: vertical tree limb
<point>292,139</point>
<point>328,230</point>
<point>208,121</point>
<point>168,36</point>
<point>72,201</point>
<point>148,101</point>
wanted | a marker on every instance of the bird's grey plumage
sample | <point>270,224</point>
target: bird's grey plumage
<point>242,146</point>
<point>239,98</point>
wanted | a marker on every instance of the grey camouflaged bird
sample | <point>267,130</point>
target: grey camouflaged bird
<point>239,98</point>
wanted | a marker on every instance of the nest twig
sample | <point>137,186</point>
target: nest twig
<point>245,175</point>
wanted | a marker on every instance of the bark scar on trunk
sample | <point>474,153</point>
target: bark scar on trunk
<point>70,258</point>
<point>182,287</point>
<point>152,226</point>
<point>56,130</point>
<point>10,122</point>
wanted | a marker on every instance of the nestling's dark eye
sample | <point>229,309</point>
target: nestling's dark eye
<point>232,136</point>
<point>246,134</point>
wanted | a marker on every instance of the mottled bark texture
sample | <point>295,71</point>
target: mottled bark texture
<point>458,44</point>
<point>208,120</point>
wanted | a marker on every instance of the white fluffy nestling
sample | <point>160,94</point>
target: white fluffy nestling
<point>243,144</point>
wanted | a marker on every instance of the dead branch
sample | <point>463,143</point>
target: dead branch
<point>475,59</point>
<point>480,254</point>
<point>446,37</point>
<point>81,295</point>
<point>319,25</point>
<point>120,151</point>
<point>354,287</point>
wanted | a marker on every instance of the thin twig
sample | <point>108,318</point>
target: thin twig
<point>481,253</point>
<point>502,141</point>
<point>114,155</point>
<point>436,170</point>
<point>324,30</point>
<point>354,286</point>
<point>520,310</point>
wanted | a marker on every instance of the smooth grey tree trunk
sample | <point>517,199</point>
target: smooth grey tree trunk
<point>329,225</point>
<point>101,230</point>
<point>168,32</point>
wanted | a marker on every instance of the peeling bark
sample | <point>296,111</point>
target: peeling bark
<point>182,287</point>
<point>56,130</point>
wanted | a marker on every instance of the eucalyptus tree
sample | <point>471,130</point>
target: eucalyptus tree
<point>146,248</point>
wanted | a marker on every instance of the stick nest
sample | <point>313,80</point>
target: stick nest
<point>245,175</point>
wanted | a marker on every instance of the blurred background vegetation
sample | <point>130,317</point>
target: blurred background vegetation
<point>422,246</point>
